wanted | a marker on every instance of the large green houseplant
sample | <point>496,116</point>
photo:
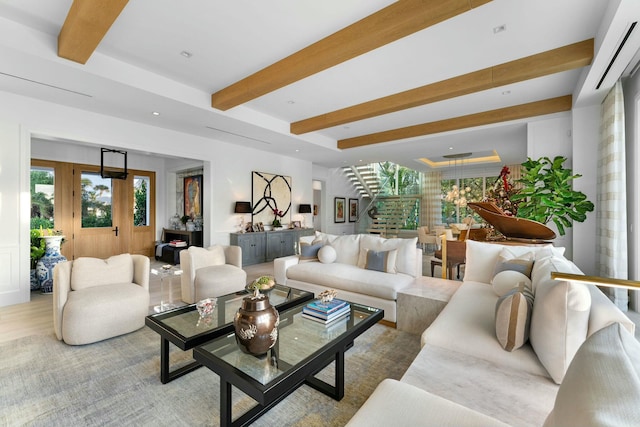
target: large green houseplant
<point>547,195</point>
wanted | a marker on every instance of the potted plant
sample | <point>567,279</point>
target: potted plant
<point>547,195</point>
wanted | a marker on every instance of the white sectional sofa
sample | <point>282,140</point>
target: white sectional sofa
<point>346,269</point>
<point>464,376</point>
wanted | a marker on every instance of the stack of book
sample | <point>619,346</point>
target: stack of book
<point>326,313</point>
<point>178,243</point>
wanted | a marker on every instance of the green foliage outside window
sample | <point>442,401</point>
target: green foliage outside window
<point>96,212</point>
<point>41,203</point>
<point>140,203</point>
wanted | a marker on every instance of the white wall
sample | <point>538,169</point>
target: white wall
<point>586,136</point>
<point>227,167</point>
<point>14,214</point>
<point>337,185</point>
<point>550,138</point>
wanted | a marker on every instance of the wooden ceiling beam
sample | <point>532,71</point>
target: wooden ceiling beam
<point>392,23</point>
<point>552,61</point>
<point>86,24</point>
<point>538,108</point>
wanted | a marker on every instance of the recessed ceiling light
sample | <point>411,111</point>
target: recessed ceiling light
<point>499,29</point>
<point>450,148</point>
<point>186,54</point>
<point>291,102</point>
<point>297,151</point>
<point>155,113</point>
<point>506,92</point>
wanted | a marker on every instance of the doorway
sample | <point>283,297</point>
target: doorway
<point>100,217</point>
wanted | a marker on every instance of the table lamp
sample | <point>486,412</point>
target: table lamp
<point>243,208</point>
<point>304,209</point>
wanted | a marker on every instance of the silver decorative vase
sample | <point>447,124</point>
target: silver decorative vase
<point>256,324</point>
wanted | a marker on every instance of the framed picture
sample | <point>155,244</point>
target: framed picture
<point>353,210</point>
<point>339,209</point>
<point>297,224</point>
<point>193,196</point>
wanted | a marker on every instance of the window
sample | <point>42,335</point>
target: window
<point>96,200</point>
<point>477,191</point>
<point>42,197</point>
<point>140,201</point>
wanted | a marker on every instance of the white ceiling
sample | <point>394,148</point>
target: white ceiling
<point>138,68</point>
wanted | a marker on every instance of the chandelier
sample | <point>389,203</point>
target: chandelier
<point>457,195</point>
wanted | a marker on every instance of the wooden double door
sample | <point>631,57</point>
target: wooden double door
<point>101,217</point>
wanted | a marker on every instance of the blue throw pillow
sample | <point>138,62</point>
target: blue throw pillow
<point>309,251</point>
<point>384,261</point>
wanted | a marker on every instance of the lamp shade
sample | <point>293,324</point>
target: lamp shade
<point>243,207</point>
<point>304,209</point>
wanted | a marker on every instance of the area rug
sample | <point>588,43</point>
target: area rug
<point>45,382</point>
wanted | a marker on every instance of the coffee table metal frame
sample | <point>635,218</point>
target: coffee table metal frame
<point>183,342</point>
<point>270,394</point>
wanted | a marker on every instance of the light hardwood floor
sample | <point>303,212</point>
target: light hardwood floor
<point>36,317</point>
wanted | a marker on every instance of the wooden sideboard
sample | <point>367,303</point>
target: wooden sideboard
<point>265,246</point>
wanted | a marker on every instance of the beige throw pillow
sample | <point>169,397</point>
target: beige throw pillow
<point>507,280</point>
<point>507,261</point>
<point>513,316</point>
<point>201,257</point>
<point>89,272</point>
<point>602,385</point>
<point>384,261</point>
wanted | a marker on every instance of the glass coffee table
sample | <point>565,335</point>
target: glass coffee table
<point>304,347</point>
<point>185,328</point>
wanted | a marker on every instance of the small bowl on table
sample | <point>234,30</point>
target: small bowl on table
<point>205,307</point>
<point>263,284</point>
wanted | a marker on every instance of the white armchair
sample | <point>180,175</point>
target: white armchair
<point>211,272</point>
<point>96,299</point>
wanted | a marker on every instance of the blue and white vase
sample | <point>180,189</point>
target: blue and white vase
<point>44,267</point>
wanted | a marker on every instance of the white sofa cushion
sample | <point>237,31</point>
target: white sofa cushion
<point>347,248</point>
<point>467,325</point>
<point>90,272</point>
<point>560,318</point>
<point>350,277</point>
<point>481,258</point>
<point>201,257</point>
<point>602,385</point>
<point>396,403</point>
<point>513,315</point>
<point>604,313</point>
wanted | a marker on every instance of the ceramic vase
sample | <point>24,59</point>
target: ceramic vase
<point>44,267</point>
<point>256,325</point>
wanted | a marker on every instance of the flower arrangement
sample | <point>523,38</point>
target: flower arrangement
<point>502,191</point>
<point>277,215</point>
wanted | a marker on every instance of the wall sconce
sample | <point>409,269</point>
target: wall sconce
<point>242,208</point>
<point>113,172</point>
<point>304,209</point>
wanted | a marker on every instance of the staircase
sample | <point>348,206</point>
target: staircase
<point>393,212</point>
<point>364,179</point>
